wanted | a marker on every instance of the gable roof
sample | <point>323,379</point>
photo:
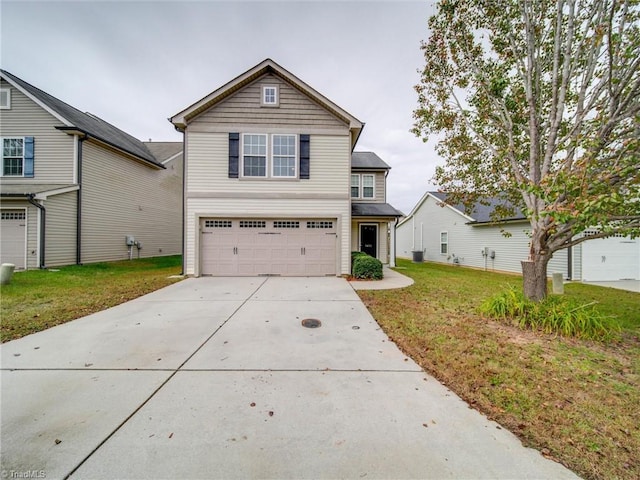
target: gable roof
<point>181,119</point>
<point>367,161</point>
<point>76,121</point>
<point>164,151</point>
<point>481,213</point>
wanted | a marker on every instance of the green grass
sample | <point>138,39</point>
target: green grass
<point>575,400</point>
<point>39,299</point>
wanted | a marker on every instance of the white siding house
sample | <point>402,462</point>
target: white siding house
<point>445,234</point>
<point>268,171</point>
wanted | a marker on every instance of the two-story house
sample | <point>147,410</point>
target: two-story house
<point>75,189</point>
<point>272,186</point>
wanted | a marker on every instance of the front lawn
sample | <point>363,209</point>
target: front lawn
<point>575,401</point>
<point>39,299</point>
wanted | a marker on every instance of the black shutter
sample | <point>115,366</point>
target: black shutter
<point>234,154</point>
<point>304,157</point>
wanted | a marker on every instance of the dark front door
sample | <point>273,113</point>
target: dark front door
<point>369,240</point>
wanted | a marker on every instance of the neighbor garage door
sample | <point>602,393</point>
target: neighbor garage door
<point>288,247</point>
<point>610,259</point>
<point>12,229</point>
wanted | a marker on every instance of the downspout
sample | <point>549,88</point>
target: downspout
<point>43,224</point>
<point>184,194</point>
<point>570,263</point>
<point>79,204</point>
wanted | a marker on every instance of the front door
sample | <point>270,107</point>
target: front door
<point>369,240</point>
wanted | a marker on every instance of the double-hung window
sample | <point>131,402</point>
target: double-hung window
<point>367,186</point>
<point>444,243</point>
<point>284,155</point>
<point>355,186</point>
<point>13,157</point>
<point>362,186</point>
<point>254,155</point>
<point>266,156</point>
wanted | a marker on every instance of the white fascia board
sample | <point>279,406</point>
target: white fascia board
<point>38,102</point>
<point>58,191</point>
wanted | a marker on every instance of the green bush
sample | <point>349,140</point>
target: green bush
<point>365,266</point>
<point>555,314</point>
<point>355,255</point>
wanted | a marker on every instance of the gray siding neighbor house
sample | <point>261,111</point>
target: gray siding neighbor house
<point>272,184</point>
<point>74,187</point>
<point>446,233</point>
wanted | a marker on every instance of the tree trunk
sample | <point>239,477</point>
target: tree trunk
<point>534,277</point>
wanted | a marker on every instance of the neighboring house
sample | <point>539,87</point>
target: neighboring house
<point>446,234</point>
<point>270,178</point>
<point>74,188</point>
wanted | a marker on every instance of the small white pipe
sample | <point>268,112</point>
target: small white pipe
<point>413,237</point>
<point>422,237</point>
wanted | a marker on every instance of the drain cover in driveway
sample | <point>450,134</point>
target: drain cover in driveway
<point>311,323</point>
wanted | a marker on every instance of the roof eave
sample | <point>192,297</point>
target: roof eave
<point>72,130</point>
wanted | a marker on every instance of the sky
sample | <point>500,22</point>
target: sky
<point>135,64</point>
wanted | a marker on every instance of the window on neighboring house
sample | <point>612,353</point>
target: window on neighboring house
<point>5,99</point>
<point>367,186</point>
<point>284,155</point>
<point>355,186</point>
<point>270,95</point>
<point>254,155</point>
<point>444,242</point>
<point>12,156</point>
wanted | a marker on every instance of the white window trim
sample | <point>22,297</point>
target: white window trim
<point>361,186</point>
<point>263,93</point>
<point>440,242</point>
<point>296,159</point>
<point>352,186</point>
<point>2,139</point>
<point>373,186</point>
<point>269,167</point>
<point>6,106</point>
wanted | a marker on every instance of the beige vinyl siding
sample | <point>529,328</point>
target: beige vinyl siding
<point>54,150</point>
<point>466,242</point>
<point>120,197</point>
<point>60,235</point>
<point>273,208</point>
<point>378,188</point>
<point>208,155</point>
<point>244,108</point>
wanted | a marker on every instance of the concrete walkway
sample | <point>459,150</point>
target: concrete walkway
<point>391,280</point>
<point>217,378</point>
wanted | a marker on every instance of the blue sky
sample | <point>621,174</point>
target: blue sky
<point>135,64</point>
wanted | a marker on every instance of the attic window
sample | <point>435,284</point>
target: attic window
<point>5,99</point>
<point>270,96</point>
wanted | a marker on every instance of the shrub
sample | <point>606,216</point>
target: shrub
<point>555,314</point>
<point>355,255</point>
<point>365,266</point>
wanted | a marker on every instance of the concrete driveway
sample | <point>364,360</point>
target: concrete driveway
<point>217,378</point>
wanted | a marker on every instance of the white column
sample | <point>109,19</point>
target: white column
<point>392,247</point>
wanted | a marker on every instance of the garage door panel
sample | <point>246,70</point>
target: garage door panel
<point>611,259</point>
<point>13,230</point>
<point>288,247</point>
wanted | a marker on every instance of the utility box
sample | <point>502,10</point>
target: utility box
<point>130,240</point>
<point>418,256</point>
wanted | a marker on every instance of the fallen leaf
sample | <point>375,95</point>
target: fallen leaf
<point>58,441</point>
<point>252,404</point>
<point>171,435</point>
<point>271,414</point>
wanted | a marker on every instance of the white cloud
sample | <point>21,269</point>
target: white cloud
<point>135,64</point>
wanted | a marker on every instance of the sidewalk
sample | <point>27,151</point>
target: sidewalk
<point>391,280</point>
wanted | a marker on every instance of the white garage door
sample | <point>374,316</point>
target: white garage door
<point>13,227</point>
<point>610,259</point>
<point>288,247</point>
